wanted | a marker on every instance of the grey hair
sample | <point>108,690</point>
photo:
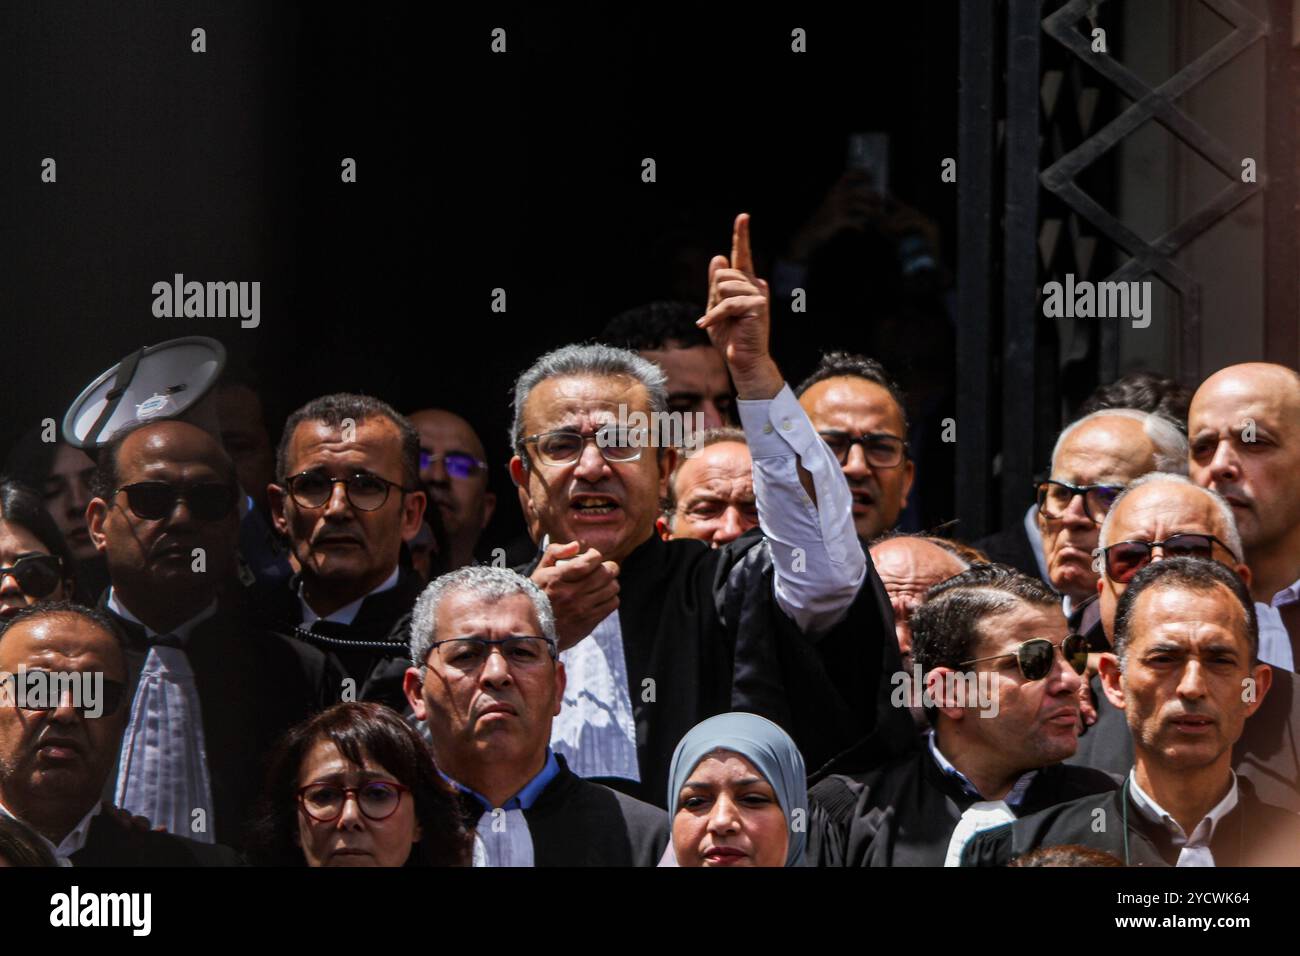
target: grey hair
<point>488,585</point>
<point>1170,443</point>
<point>594,361</point>
<point>1231,536</point>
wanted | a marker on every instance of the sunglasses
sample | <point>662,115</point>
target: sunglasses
<point>457,463</point>
<point>38,575</point>
<point>377,800</point>
<point>1054,498</point>
<point>155,500</point>
<point>365,492</point>
<point>1124,559</point>
<point>111,698</point>
<point>1035,656</point>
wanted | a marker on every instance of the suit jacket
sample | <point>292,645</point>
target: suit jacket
<point>253,686</point>
<point>1252,834</point>
<point>110,843</point>
<point>1011,546</point>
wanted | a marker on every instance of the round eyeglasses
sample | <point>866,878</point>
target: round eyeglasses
<point>365,492</point>
<point>376,799</point>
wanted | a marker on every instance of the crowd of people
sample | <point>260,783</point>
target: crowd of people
<point>711,651</point>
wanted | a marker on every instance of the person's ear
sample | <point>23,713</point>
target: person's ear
<point>419,833</point>
<point>936,689</point>
<point>667,458</point>
<point>1263,678</point>
<point>909,475</point>
<point>1112,680</point>
<point>413,688</point>
<point>561,680</point>
<point>663,528</point>
<point>1243,572</point>
<point>413,505</point>
<point>518,473</point>
<point>276,501</point>
<point>96,519</point>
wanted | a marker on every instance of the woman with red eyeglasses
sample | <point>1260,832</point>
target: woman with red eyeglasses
<point>35,563</point>
<point>356,786</point>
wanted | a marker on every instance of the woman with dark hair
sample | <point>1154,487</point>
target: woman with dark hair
<point>35,563</point>
<point>20,846</point>
<point>355,785</point>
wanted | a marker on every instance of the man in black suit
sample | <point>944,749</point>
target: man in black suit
<point>63,713</point>
<point>209,694</point>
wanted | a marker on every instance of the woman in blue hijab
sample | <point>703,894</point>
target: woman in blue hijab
<point>738,795</point>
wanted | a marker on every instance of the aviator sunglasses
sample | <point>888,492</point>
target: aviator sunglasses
<point>1034,656</point>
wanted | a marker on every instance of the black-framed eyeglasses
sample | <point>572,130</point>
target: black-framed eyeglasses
<point>1054,498</point>
<point>1123,559</point>
<point>376,799</point>
<point>469,653</point>
<point>882,450</point>
<point>37,575</point>
<point>1034,656</point>
<point>365,492</point>
<point>458,463</point>
<point>155,500</point>
<point>113,693</point>
<point>564,446</point>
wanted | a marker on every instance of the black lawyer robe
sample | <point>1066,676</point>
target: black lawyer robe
<point>111,843</point>
<point>904,814</point>
<point>1252,834</point>
<point>704,626</point>
<point>373,649</point>
<point>253,686</point>
<point>574,822</point>
<point>1268,751</point>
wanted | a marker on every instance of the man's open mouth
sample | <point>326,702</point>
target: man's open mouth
<point>594,505</point>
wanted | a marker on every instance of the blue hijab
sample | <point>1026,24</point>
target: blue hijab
<point>768,748</point>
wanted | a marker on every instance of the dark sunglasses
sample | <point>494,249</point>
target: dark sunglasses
<point>111,698</point>
<point>1123,559</point>
<point>37,574</point>
<point>365,492</point>
<point>155,500</point>
<point>1034,656</point>
<point>458,464</point>
<point>1054,498</point>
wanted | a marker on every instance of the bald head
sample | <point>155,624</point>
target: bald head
<point>453,471</point>
<point>1156,508</point>
<point>908,567</point>
<point>1244,431</point>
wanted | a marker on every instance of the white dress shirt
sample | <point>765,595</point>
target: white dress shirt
<point>71,843</point>
<point>1194,850</point>
<point>162,771</point>
<point>818,562</point>
<point>1274,642</point>
<point>348,612</point>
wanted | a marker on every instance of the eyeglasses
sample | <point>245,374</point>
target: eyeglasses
<point>365,492</point>
<point>37,574</point>
<point>457,463</point>
<point>564,447</point>
<point>881,449</point>
<point>1054,498</point>
<point>1035,655</point>
<point>53,682</point>
<point>1123,559</point>
<point>155,500</point>
<point>469,653</point>
<point>377,800</point>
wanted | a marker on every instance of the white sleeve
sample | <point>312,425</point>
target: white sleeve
<point>818,561</point>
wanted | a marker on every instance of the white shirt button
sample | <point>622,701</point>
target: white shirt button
<point>786,424</point>
<point>767,428</point>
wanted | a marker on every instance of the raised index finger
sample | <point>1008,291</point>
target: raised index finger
<point>741,257</point>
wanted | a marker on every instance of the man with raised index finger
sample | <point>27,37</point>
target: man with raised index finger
<point>658,635</point>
